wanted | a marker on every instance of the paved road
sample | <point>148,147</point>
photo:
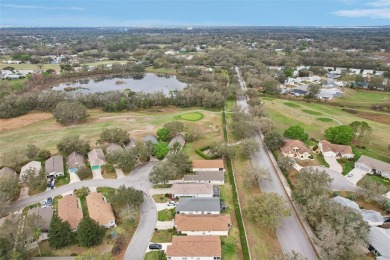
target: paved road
<point>290,234</point>
<point>138,179</point>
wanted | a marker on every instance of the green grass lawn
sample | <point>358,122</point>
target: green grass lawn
<point>161,71</point>
<point>162,236</point>
<point>364,98</point>
<point>311,112</point>
<point>154,255</point>
<point>160,198</point>
<point>166,214</point>
<point>347,165</point>
<point>106,191</point>
<point>84,207</point>
<point>293,105</point>
<point>324,119</point>
<point>195,116</point>
<point>377,179</point>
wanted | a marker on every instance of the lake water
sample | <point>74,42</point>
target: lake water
<point>149,83</point>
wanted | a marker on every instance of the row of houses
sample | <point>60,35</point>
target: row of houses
<point>16,74</point>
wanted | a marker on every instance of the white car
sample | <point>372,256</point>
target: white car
<point>171,203</point>
<point>43,204</point>
<point>349,175</point>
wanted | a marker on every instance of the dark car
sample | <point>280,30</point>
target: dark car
<point>155,246</point>
<point>49,201</point>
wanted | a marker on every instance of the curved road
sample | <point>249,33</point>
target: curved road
<point>291,234</point>
<point>138,179</point>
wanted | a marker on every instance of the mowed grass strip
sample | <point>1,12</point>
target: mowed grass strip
<point>194,116</point>
<point>311,112</point>
<point>290,104</point>
<point>324,119</point>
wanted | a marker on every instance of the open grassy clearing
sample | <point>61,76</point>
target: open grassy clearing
<point>46,133</point>
<point>196,116</point>
<point>363,98</point>
<point>311,112</point>
<point>166,214</point>
<point>162,236</point>
<point>377,179</point>
<point>284,116</point>
<point>324,119</point>
<point>161,71</point>
<point>291,104</point>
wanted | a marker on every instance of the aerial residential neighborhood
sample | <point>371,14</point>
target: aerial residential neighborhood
<point>151,130</point>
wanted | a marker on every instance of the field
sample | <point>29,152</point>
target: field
<point>42,130</point>
<point>196,116</point>
<point>363,98</point>
<point>323,116</point>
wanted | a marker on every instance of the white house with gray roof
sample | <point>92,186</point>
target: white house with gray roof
<point>198,206</point>
<point>54,166</point>
<point>379,240</point>
<point>371,165</point>
<point>214,177</point>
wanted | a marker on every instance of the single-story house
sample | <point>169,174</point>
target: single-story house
<point>371,165</point>
<point>379,240</point>
<point>296,149</point>
<point>372,217</point>
<point>96,159</point>
<point>75,161</point>
<point>192,190</point>
<point>346,202</point>
<point>368,72</point>
<point>45,213</point>
<point>34,166</point>
<point>203,225</point>
<point>100,210</point>
<point>179,138</point>
<point>214,177</point>
<point>194,247</point>
<point>112,147</point>
<point>354,71</point>
<point>208,165</point>
<point>335,150</point>
<point>198,206</point>
<point>69,209</point>
<point>7,172</point>
<point>54,166</point>
<point>150,138</point>
<point>299,92</point>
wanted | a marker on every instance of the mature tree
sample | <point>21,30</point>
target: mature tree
<point>36,181</point>
<point>257,111</point>
<point>361,132</point>
<point>174,128</point>
<point>255,175</point>
<point>242,125</point>
<point>89,233</point>
<point>181,162</point>
<point>314,89</point>
<point>372,189</point>
<point>82,192</point>
<point>114,135</point>
<point>160,150</point>
<point>264,124</point>
<point>296,132</point>
<point>273,140</point>
<point>14,158</point>
<point>162,173</point>
<point>303,73</point>
<point>271,87</point>
<point>71,144</point>
<point>128,213</point>
<point>32,151</point>
<point>60,234</point>
<point>127,196</point>
<point>143,151</point>
<point>123,159</point>
<point>267,210</point>
<point>84,173</point>
<point>70,112</point>
<point>9,190</point>
<point>163,134</point>
<point>339,134</point>
<point>376,82</point>
<point>193,132</point>
<point>247,147</point>
<point>222,149</point>
<point>288,72</point>
<point>359,78</point>
<point>286,163</point>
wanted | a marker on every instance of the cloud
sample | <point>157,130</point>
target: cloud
<point>42,7</point>
<point>380,3</point>
<point>372,13</point>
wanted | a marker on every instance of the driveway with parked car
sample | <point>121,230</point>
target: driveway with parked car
<point>356,175</point>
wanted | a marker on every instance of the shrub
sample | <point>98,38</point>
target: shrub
<point>84,173</point>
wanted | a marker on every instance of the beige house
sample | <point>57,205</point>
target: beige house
<point>34,166</point>
<point>99,210</point>
<point>96,159</point>
<point>203,224</point>
<point>194,247</point>
<point>208,165</point>
<point>335,150</point>
<point>295,149</point>
<point>192,190</point>
<point>371,165</point>
<point>70,210</point>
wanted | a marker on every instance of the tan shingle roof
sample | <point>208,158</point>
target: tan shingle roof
<point>69,210</point>
<point>290,145</point>
<point>337,148</point>
<point>207,164</point>
<point>185,222</point>
<point>75,160</point>
<point>96,157</point>
<point>98,209</point>
<point>54,164</point>
<point>192,188</point>
<point>374,164</point>
<point>195,246</point>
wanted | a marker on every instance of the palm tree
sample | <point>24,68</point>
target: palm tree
<point>37,234</point>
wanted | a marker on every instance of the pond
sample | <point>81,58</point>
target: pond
<point>149,83</point>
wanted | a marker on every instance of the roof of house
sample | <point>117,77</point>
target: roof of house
<point>98,209</point>
<point>336,148</point>
<point>372,216</point>
<point>374,163</point>
<point>290,145</point>
<point>205,176</point>
<point>35,165</point>
<point>7,172</point>
<point>54,164</point>
<point>75,160</point>
<point>150,138</point>
<point>379,238</point>
<point>69,210</point>
<point>96,157</point>
<point>45,213</point>
<point>112,147</point>
<point>346,202</point>
<point>208,164</point>
<point>195,246</point>
<point>299,91</point>
<point>177,138</point>
<point>199,222</point>
<point>192,188</point>
<point>198,204</point>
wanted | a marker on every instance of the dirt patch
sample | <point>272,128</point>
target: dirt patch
<point>23,121</point>
<point>381,118</point>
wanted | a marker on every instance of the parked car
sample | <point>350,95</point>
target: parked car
<point>43,204</point>
<point>155,246</point>
<point>50,201</point>
<point>349,175</point>
<point>171,203</point>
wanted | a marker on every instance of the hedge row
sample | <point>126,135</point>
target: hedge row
<point>201,153</point>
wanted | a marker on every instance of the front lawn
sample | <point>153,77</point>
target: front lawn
<point>346,164</point>
<point>377,179</point>
<point>166,214</point>
<point>160,198</point>
<point>162,236</point>
<point>155,255</point>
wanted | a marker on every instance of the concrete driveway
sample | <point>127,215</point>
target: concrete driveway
<point>164,246</point>
<point>119,173</point>
<point>333,164</point>
<point>164,225</point>
<point>357,175</point>
<point>160,191</point>
<point>97,174</point>
<point>73,177</point>
<point>162,206</point>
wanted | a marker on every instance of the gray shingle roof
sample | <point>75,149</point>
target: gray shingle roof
<point>75,160</point>
<point>54,164</point>
<point>205,176</point>
<point>346,202</point>
<point>198,204</point>
<point>45,213</point>
<point>372,216</point>
<point>379,238</point>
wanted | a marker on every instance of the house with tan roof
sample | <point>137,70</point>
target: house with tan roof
<point>54,166</point>
<point>208,165</point>
<point>295,149</point>
<point>204,190</point>
<point>34,166</point>
<point>194,247</point>
<point>214,177</point>
<point>113,147</point>
<point>69,209</point>
<point>75,161</point>
<point>371,165</point>
<point>96,159</point>
<point>100,210</point>
<point>335,150</point>
<point>203,224</point>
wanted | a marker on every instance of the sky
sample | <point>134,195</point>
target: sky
<point>146,13</point>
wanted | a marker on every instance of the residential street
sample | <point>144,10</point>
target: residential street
<point>291,234</point>
<point>139,179</point>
